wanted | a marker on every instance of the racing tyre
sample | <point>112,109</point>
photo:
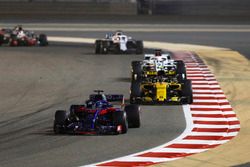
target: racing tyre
<point>139,47</point>
<point>133,116</point>
<point>13,40</point>
<point>60,118</point>
<point>187,92</point>
<point>131,45</point>
<point>181,70</point>
<point>43,41</point>
<point>136,70</point>
<point>120,119</point>
<point>1,39</point>
<point>22,42</point>
<point>98,46</point>
<point>135,91</point>
<point>103,47</point>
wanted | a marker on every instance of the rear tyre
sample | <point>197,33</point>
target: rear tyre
<point>133,116</point>
<point>22,42</point>
<point>98,46</point>
<point>43,41</point>
<point>13,40</point>
<point>104,47</point>
<point>135,92</point>
<point>136,70</point>
<point>60,118</point>
<point>187,92</point>
<point>120,119</point>
<point>1,39</point>
<point>139,47</point>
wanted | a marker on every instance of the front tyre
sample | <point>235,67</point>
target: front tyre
<point>133,116</point>
<point>120,119</point>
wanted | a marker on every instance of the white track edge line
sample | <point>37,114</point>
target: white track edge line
<point>188,129</point>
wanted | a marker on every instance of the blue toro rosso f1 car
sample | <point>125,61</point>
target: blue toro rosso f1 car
<point>100,115</point>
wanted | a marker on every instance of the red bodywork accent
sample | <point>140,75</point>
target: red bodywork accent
<point>102,112</point>
<point>108,110</point>
<point>31,42</point>
<point>14,43</point>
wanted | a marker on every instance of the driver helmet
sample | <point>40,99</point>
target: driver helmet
<point>98,104</point>
<point>18,28</point>
<point>118,33</point>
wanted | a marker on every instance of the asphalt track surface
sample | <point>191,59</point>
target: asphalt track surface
<point>239,41</point>
<point>37,81</point>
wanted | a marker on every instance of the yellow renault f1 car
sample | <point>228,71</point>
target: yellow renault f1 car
<point>161,92</point>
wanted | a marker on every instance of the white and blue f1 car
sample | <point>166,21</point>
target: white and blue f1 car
<point>118,42</point>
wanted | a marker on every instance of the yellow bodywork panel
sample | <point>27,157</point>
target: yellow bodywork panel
<point>148,99</point>
<point>171,72</point>
<point>161,91</point>
<point>151,72</point>
<point>175,99</point>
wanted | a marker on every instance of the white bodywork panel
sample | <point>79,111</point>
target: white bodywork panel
<point>121,39</point>
<point>162,62</point>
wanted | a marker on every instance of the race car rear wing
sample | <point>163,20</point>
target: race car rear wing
<point>148,56</point>
<point>117,99</point>
<point>108,97</point>
<point>114,97</point>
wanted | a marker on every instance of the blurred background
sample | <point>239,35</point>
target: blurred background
<point>13,9</point>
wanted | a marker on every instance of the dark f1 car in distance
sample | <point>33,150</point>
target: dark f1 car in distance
<point>20,37</point>
<point>117,43</point>
<point>99,115</point>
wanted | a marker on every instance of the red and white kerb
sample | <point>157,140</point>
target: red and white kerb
<point>210,120</point>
